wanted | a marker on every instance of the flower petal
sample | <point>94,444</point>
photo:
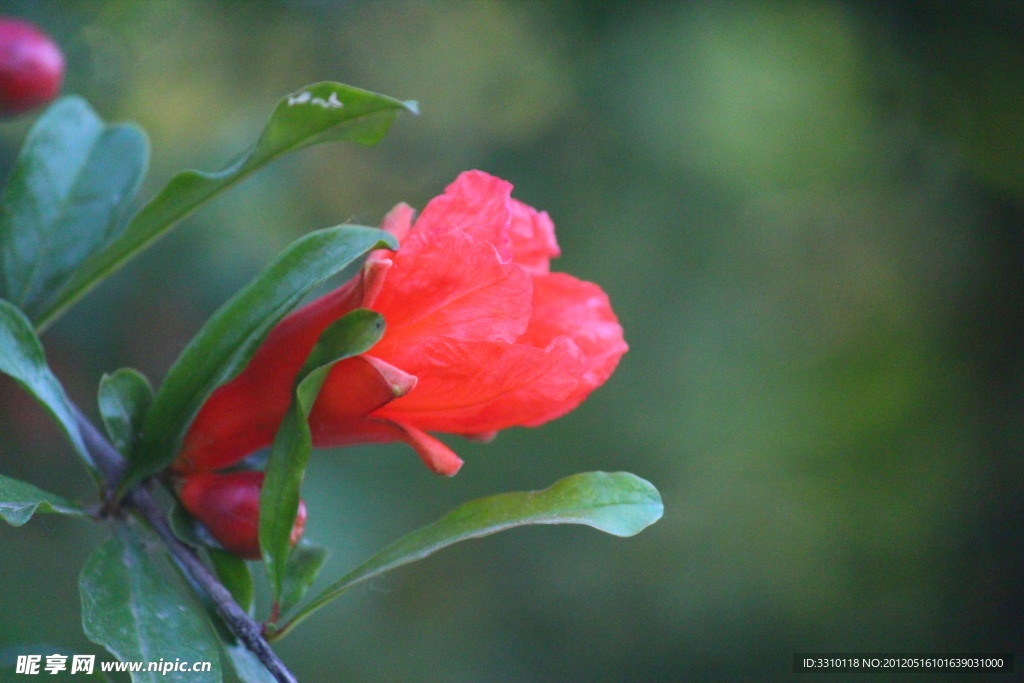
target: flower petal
<point>473,387</point>
<point>476,203</point>
<point>532,235</point>
<point>450,285</point>
<point>566,306</point>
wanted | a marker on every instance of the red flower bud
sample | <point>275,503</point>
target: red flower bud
<point>31,67</point>
<point>228,505</point>
<point>480,337</point>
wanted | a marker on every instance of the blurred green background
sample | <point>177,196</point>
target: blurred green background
<point>808,216</point>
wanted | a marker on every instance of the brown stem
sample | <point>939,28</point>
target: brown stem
<point>140,501</point>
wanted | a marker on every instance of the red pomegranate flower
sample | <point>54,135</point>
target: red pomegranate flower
<point>228,505</point>
<point>480,337</point>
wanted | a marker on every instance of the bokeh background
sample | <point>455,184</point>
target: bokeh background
<point>808,216</point>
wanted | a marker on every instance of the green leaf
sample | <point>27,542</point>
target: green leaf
<point>124,398</point>
<point>322,112</point>
<point>247,665</point>
<point>618,503</point>
<point>304,564</point>
<point>234,573</point>
<point>66,197</point>
<point>20,500</point>
<point>131,608</point>
<point>227,341</point>
<point>22,357</point>
<point>188,530</point>
<point>279,497</point>
<point>354,333</point>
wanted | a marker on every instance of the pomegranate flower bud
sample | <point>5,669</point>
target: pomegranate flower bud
<point>228,505</point>
<point>31,67</point>
<point>481,336</point>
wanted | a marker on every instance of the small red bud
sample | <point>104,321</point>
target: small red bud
<point>228,505</point>
<point>31,67</point>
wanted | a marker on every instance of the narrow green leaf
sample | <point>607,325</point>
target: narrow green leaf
<point>20,500</point>
<point>279,497</point>
<point>227,341</point>
<point>66,197</point>
<point>322,112</point>
<point>188,530</point>
<point>247,666</point>
<point>349,336</point>
<point>130,608</point>
<point>352,334</point>
<point>304,564</point>
<point>124,398</point>
<point>234,574</point>
<point>619,503</point>
<point>22,357</point>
